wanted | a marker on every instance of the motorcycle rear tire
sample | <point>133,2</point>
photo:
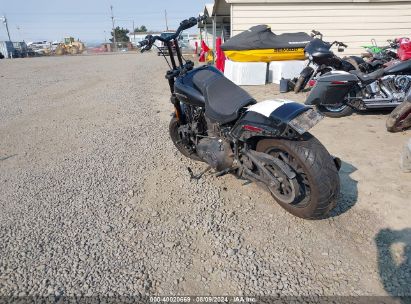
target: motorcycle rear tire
<point>319,168</point>
<point>175,137</point>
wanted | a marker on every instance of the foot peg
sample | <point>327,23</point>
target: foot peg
<point>198,176</point>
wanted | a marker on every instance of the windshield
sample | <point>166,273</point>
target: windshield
<point>166,35</point>
<point>317,45</point>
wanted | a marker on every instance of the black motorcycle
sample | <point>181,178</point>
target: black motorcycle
<point>322,60</point>
<point>219,123</point>
<point>337,94</point>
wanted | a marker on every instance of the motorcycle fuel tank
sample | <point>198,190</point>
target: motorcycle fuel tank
<point>185,90</point>
<point>400,68</point>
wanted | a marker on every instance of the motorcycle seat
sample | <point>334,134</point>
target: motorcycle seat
<point>370,77</point>
<point>223,98</point>
<point>376,63</point>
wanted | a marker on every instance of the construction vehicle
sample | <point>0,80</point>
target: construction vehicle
<point>70,46</point>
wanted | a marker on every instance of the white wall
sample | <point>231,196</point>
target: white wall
<point>352,23</point>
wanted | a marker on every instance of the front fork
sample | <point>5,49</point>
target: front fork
<point>178,110</point>
<point>174,100</point>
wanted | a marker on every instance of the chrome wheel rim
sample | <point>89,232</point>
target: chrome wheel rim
<point>297,190</point>
<point>336,109</point>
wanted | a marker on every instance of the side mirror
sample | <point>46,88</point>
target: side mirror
<point>341,49</point>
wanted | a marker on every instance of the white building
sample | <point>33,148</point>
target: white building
<point>354,22</point>
<point>218,24</point>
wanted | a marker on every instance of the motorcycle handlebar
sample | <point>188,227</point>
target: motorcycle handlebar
<point>338,43</point>
<point>184,25</point>
<point>147,41</point>
<point>315,33</point>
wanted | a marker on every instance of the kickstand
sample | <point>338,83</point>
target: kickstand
<point>247,182</point>
<point>225,171</point>
<point>197,177</point>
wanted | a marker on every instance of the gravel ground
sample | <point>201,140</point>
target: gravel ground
<point>95,200</point>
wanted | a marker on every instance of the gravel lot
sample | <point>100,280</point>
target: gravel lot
<point>95,199</point>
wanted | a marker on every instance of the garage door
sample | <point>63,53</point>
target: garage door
<point>353,23</point>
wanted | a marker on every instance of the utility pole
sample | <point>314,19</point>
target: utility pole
<point>114,29</point>
<point>134,32</point>
<point>165,14</point>
<point>4,19</point>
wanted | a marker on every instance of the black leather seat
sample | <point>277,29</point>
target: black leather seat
<point>223,98</point>
<point>368,78</point>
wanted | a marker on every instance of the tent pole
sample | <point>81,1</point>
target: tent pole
<point>214,37</point>
<point>205,33</point>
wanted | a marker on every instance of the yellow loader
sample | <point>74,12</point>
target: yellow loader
<point>70,46</point>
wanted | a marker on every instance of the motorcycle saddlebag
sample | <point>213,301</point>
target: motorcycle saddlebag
<point>332,88</point>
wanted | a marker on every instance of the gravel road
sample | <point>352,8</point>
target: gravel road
<point>95,199</point>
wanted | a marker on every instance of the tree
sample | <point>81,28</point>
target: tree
<point>121,35</point>
<point>141,29</point>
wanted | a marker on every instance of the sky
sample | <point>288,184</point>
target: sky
<point>89,20</point>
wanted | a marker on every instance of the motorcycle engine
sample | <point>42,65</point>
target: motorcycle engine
<point>396,86</point>
<point>402,82</point>
<point>216,152</point>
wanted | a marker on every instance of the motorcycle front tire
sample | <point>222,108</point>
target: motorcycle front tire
<point>335,113</point>
<point>175,137</point>
<point>300,84</point>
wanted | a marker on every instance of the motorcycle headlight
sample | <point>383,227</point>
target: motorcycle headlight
<point>305,121</point>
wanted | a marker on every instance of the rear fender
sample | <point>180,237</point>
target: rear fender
<point>275,119</point>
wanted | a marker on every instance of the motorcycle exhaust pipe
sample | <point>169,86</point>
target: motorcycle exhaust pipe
<point>377,100</point>
<point>387,91</point>
<point>380,104</point>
